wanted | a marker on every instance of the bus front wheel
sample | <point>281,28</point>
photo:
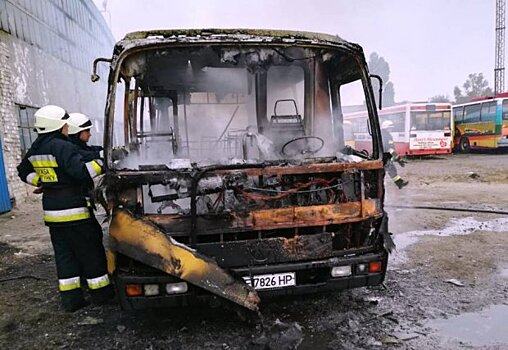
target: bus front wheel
<point>464,145</point>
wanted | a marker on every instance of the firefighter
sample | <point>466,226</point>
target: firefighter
<point>55,164</point>
<point>79,134</point>
<point>389,146</point>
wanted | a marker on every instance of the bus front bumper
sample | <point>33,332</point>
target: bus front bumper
<point>311,277</point>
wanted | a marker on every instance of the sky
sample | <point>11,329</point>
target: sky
<point>430,45</point>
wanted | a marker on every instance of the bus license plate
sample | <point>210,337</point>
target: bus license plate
<point>276,280</point>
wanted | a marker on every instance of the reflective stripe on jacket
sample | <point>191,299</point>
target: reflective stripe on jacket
<point>66,215</point>
<point>32,179</point>
<point>44,166</point>
<point>94,168</point>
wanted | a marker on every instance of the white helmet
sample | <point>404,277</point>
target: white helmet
<point>78,122</point>
<point>50,118</point>
<point>387,124</point>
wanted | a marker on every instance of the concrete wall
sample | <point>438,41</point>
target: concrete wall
<point>46,52</point>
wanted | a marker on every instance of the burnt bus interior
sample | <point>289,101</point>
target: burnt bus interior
<point>238,150</point>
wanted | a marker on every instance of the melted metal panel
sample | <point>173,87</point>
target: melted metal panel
<point>144,242</point>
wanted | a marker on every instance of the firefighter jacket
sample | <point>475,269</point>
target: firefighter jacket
<point>54,163</point>
<point>86,151</point>
<point>388,144</point>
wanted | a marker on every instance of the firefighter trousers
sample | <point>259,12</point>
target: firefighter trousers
<point>392,170</point>
<point>79,254</point>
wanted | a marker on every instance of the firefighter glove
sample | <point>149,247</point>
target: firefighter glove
<point>401,162</point>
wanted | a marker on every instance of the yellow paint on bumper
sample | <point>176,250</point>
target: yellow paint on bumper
<point>144,242</point>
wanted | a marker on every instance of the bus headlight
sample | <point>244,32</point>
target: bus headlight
<point>176,288</point>
<point>341,271</point>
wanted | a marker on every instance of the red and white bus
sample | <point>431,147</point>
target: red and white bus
<point>419,128</point>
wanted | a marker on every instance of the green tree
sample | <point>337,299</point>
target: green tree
<point>389,94</point>
<point>475,86</point>
<point>378,65</point>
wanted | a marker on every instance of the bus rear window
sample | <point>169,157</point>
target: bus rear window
<point>430,121</point>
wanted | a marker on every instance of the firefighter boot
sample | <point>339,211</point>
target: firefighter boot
<point>73,300</point>
<point>104,295</point>
<point>401,183</point>
<point>76,306</point>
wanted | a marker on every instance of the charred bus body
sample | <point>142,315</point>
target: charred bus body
<point>227,169</point>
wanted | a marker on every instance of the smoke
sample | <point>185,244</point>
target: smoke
<point>215,119</point>
<point>323,127</point>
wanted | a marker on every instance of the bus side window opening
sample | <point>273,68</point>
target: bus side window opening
<point>505,109</point>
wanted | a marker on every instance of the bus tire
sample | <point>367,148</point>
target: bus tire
<point>464,145</point>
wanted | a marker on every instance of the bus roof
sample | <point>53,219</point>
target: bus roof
<point>167,33</point>
<point>501,95</point>
<point>419,106</point>
<point>475,100</point>
<point>230,36</point>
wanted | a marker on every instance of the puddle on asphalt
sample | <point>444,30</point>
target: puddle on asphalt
<point>504,272</point>
<point>462,226</point>
<point>486,327</point>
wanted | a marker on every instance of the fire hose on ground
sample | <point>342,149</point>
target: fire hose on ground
<point>468,210</point>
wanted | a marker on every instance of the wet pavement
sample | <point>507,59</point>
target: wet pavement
<point>486,327</point>
<point>456,226</point>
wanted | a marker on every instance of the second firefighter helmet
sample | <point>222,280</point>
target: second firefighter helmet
<point>387,124</point>
<point>50,118</point>
<point>78,122</point>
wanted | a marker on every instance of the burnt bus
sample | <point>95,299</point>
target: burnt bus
<point>227,170</point>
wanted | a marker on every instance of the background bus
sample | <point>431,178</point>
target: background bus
<point>419,128</point>
<point>481,123</point>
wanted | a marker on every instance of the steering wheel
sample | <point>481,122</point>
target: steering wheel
<point>306,149</point>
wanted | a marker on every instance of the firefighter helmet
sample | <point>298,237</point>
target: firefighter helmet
<point>78,122</point>
<point>387,124</point>
<point>50,118</point>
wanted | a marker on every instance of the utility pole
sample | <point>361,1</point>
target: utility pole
<point>500,30</point>
<point>105,12</point>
